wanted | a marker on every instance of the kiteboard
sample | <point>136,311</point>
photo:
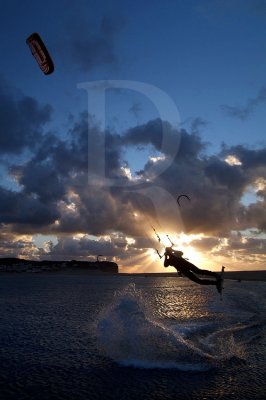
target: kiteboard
<point>222,282</point>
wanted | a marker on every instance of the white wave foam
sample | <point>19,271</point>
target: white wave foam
<point>129,333</point>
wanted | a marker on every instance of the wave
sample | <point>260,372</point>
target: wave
<point>129,333</point>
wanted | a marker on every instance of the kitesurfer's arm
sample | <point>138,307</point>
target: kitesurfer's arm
<point>166,260</point>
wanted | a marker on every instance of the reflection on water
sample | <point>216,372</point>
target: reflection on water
<point>115,337</point>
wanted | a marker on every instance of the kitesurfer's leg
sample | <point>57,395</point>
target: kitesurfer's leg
<point>194,278</point>
<point>219,285</point>
<point>202,271</point>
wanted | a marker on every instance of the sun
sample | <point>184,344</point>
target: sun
<point>148,261</point>
<point>181,242</point>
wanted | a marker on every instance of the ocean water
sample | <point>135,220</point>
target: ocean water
<point>119,337</point>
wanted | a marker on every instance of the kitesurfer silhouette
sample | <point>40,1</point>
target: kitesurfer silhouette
<point>186,268</point>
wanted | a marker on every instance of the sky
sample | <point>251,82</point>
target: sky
<point>148,101</point>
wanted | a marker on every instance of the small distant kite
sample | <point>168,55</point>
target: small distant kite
<point>40,52</point>
<point>179,197</point>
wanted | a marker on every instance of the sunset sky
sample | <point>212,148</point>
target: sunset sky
<point>184,112</point>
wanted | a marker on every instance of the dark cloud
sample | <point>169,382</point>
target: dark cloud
<point>57,178</point>
<point>58,193</point>
<point>206,244</point>
<point>91,47</point>
<point>146,134</point>
<point>21,209</point>
<point>151,133</point>
<point>97,212</point>
<point>32,176</point>
<point>250,158</point>
<point>255,216</point>
<point>221,174</point>
<point>22,120</point>
<point>135,109</point>
<point>17,246</point>
<point>215,187</point>
<point>238,241</point>
<point>245,111</point>
<point>86,144</point>
<point>196,124</point>
<point>80,248</point>
<point>116,247</point>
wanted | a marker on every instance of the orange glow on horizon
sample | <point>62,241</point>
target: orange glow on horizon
<point>149,261</point>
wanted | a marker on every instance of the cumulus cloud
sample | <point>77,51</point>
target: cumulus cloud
<point>84,247</point>
<point>215,187</point>
<point>22,210</point>
<point>57,192</point>
<point>14,245</point>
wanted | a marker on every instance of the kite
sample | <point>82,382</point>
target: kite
<point>179,197</point>
<point>40,52</point>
